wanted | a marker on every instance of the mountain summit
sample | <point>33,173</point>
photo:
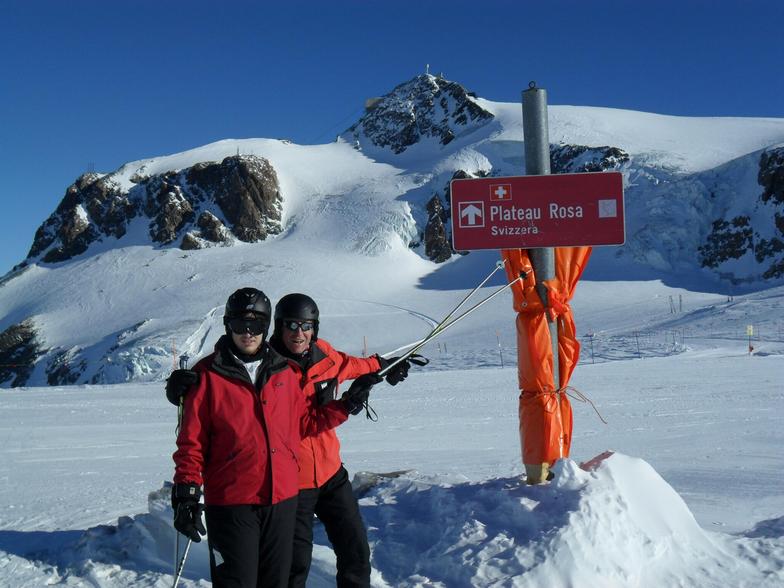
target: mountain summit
<point>426,107</point>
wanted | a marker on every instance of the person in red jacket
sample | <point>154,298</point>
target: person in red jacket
<point>325,489</point>
<point>242,422</point>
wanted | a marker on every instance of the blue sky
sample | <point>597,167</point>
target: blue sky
<point>99,83</point>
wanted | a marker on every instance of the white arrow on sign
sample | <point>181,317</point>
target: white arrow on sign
<point>472,213</point>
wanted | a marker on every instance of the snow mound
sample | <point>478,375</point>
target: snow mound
<point>616,524</point>
<point>610,522</point>
<point>138,551</point>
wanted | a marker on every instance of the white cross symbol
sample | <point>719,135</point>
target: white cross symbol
<point>500,191</point>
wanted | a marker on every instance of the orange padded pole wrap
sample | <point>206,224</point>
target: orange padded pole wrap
<point>545,413</point>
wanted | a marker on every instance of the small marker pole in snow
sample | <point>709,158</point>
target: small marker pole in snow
<point>500,351</point>
<point>590,338</point>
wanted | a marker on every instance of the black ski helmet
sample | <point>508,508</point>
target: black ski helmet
<point>297,306</point>
<point>247,300</point>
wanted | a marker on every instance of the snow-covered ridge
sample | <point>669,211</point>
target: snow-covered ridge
<point>149,248</point>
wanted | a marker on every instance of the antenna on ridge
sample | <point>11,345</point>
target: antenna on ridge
<point>427,68</point>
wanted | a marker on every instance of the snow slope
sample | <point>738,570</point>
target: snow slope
<point>700,505</point>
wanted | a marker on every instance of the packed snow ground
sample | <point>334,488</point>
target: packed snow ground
<point>692,496</point>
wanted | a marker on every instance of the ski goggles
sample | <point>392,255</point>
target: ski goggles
<point>294,325</point>
<point>247,325</point>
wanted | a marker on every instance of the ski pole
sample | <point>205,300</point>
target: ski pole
<point>443,326</point>
<point>498,265</point>
<point>181,565</point>
<point>176,552</point>
<point>178,568</point>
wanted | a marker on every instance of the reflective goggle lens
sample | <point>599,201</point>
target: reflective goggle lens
<point>251,326</point>
<point>294,325</point>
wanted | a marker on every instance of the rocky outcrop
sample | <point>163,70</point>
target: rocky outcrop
<point>727,240</point>
<point>426,107</point>
<point>19,349</point>
<point>65,368</point>
<point>247,192</point>
<point>762,233</point>
<point>770,247</point>
<point>437,236</point>
<point>91,207</point>
<point>581,158</point>
<point>210,231</point>
<point>168,208</point>
<point>438,247</point>
<point>207,204</point>
<point>771,176</point>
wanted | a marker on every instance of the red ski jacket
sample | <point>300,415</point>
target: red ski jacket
<point>240,440</point>
<point>319,455</point>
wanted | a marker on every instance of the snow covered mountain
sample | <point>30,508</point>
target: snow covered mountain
<point>131,267</point>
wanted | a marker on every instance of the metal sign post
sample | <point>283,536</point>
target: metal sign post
<point>537,163</point>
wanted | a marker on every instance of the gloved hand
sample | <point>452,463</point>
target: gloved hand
<point>187,511</point>
<point>358,393</point>
<point>178,383</point>
<point>325,391</point>
<point>398,373</point>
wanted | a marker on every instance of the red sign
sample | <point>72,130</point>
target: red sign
<point>520,212</point>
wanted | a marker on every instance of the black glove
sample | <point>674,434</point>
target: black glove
<point>325,391</point>
<point>358,393</point>
<point>398,373</point>
<point>178,383</point>
<point>187,511</point>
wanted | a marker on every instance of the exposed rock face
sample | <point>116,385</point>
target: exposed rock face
<point>763,235</point>
<point>437,236</point>
<point>437,242</point>
<point>91,206</point>
<point>581,158</point>
<point>65,368</point>
<point>196,203</point>
<point>771,178</point>
<point>212,228</point>
<point>247,192</point>
<point>424,107</point>
<point>727,240</point>
<point>19,348</point>
<point>169,209</point>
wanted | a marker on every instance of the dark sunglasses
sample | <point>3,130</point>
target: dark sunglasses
<point>294,325</point>
<point>251,326</point>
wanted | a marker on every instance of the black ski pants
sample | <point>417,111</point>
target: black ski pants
<point>250,545</point>
<point>335,506</point>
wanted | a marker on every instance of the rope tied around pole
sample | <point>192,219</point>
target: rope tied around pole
<point>553,399</point>
<point>580,397</point>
